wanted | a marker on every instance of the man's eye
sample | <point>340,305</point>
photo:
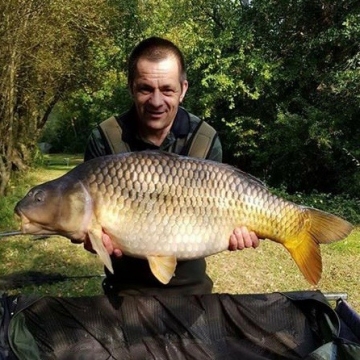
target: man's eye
<point>168,92</point>
<point>144,90</point>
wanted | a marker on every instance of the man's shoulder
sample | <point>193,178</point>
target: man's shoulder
<point>120,119</point>
<point>112,132</point>
<point>196,121</point>
<point>200,125</point>
<point>193,118</point>
<point>203,141</point>
<point>117,124</point>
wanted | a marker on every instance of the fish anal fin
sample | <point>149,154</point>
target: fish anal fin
<point>162,267</point>
<point>98,245</point>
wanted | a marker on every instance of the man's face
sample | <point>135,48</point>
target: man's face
<point>157,93</point>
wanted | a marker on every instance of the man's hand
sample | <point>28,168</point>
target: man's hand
<point>242,238</point>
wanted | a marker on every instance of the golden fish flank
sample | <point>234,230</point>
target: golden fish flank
<point>165,207</point>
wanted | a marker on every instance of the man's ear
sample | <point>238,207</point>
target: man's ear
<point>184,87</point>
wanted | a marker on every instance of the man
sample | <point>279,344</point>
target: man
<point>157,83</point>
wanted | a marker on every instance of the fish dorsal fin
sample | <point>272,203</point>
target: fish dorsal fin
<point>98,245</point>
<point>162,267</point>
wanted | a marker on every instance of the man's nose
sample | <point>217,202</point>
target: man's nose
<point>156,98</point>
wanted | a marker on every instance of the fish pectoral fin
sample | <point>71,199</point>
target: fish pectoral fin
<point>162,267</point>
<point>98,246</point>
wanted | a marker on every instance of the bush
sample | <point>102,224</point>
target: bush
<point>342,205</point>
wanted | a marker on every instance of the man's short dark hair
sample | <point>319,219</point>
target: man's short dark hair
<point>155,49</point>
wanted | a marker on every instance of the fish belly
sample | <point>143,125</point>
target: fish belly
<point>181,234</point>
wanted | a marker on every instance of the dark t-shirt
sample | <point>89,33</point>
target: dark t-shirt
<point>131,275</point>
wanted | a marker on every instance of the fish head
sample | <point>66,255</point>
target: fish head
<point>61,206</point>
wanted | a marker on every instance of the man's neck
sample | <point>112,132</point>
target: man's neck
<point>154,137</point>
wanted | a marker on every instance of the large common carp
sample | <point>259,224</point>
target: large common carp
<point>165,207</point>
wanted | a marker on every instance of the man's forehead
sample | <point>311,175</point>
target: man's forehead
<point>160,73</point>
<point>169,64</point>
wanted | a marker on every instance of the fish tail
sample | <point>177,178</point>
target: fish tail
<point>319,228</point>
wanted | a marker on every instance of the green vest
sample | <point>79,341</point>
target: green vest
<point>198,146</point>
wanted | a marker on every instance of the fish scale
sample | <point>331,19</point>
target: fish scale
<point>165,207</point>
<point>168,189</point>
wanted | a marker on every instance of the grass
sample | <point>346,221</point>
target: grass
<point>271,269</point>
<point>48,266</point>
<point>55,266</point>
<point>45,265</point>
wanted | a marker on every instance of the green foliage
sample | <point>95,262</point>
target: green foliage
<point>342,205</point>
<point>47,53</point>
<point>7,213</point>
<point>278,80</point>
<point>72,121</point>
<point>281,82</point>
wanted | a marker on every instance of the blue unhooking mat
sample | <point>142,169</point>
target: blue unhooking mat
<point>293,325</point>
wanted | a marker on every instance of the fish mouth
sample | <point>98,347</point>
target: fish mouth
<point>24,221</point>
<point>29,227</point>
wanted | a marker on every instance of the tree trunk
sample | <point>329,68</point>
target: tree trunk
<point>14,31</point>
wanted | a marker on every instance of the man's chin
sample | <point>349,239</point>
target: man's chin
<point>156,118</point>
<point>156,124</point>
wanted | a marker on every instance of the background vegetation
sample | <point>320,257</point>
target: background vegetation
<point>280,80</point>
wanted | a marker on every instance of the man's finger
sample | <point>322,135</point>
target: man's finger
<point>107,243</point>
<point>117,252</point>
<point>255,240</point>
<point>233,243</point>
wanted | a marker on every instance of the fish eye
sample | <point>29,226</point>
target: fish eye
<point>39,196</point>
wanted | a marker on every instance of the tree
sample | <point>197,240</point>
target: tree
<point>312,97</point>
<point>47,52</point>
<point>278,79</point>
